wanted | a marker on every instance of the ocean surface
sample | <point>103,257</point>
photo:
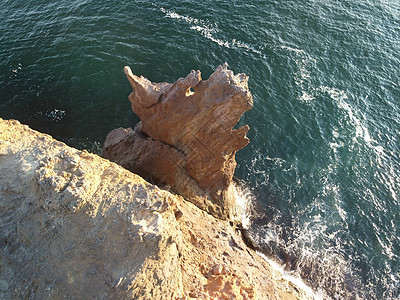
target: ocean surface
<point>323,165</point>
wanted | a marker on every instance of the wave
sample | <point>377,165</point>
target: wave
<point>297,281</point>
<point>308,252</point>
<point>244,201</point>
<point>314,238</point>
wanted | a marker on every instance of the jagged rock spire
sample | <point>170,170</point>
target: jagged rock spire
<point>186,138</point>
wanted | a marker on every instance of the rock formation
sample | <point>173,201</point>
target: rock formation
<point>76,226</point>
<point>186,138</point>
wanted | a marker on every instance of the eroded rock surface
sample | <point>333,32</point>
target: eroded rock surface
<point>187,132</point>
<point>76,226</point>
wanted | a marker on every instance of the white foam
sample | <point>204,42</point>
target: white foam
<point>298,282</point>
<point>340,97</point>
<point>295,50</point>
<point>361,132</point>
<point>356,119</point>
<point>244,198</point>
<point>306,97</point>
<point>341,211</point>
<point>16,68</point>
<point>302,77</point>
<point>208,31</point>
<point>174,15</point>
<point>56,114</point>
<point>240,44</point>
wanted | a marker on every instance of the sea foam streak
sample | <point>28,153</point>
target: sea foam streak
<point>302,77</point>
<point>244,199</point>
<point>208,31</point>
<point>350,140</point>
<point>307,247</point>
<point>293,279</point>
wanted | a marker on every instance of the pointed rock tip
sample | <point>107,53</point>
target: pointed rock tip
<point>128,71</point>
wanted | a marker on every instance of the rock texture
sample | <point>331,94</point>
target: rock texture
<point>186,138</point>
<point>76,226</point>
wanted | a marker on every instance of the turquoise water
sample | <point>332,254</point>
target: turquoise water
<point>323,163</point>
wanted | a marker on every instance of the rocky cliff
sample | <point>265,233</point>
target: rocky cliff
<point>186,138</point>
<point>76,226</point>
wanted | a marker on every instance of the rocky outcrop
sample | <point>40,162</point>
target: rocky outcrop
<point>76,226</point>
<point>186,138</point>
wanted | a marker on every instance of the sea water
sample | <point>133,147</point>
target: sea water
<point>323,165</point>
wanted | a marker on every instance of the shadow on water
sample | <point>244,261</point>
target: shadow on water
<point>54,118</point>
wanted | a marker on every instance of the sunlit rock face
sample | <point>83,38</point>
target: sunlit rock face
<point>186,138</point>
<point>76,226</point>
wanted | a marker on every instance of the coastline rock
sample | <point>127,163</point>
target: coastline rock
<point>186,138</point>
<point>76,226</point>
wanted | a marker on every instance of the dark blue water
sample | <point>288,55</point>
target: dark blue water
<point>323,163</point>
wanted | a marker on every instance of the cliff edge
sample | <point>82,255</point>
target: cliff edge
<point>76,226</point>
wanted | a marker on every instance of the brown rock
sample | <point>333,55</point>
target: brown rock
<point>75,226</point>
<point>186,138</point>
